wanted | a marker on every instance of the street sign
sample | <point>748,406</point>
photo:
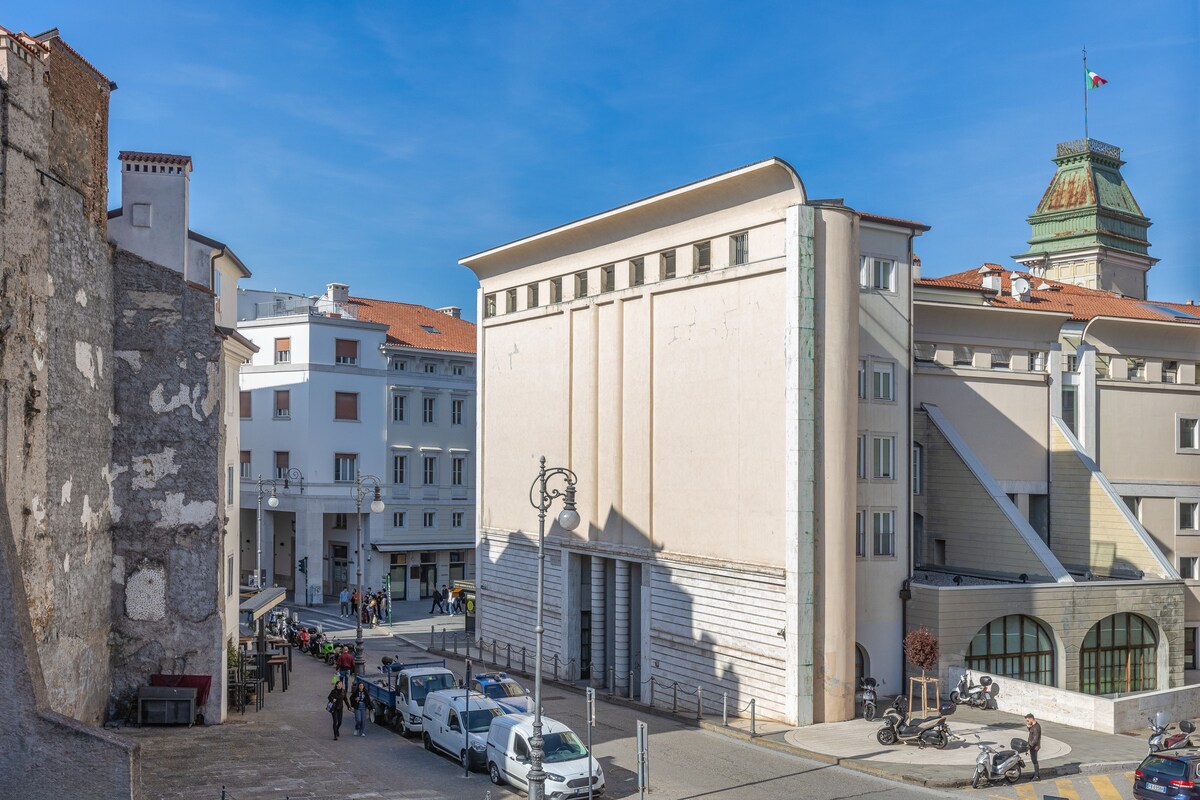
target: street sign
<point>643,757</point>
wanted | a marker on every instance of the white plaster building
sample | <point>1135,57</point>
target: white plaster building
<point>345,386</point>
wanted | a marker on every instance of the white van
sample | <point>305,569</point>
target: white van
<point>568,765</point>
<point>443,715</point>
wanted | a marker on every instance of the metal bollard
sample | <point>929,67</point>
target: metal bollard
<point>699,702</point>
<point>494,661</point>
<point>652,692</point>
<point>431,628</point>
<point>753,725</point>
<point>522,659</point>
<point>556,666</point>
<point>629,686</point>
<point>612,681</point>
<point>725,709</point>
<point>444,640</point>
<point>508,656</point>
<point>675,698</point>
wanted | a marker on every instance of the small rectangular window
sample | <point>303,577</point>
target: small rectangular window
<point>862,379</point>
<point>345,467</point>
<point>883,459</point>
<point>556,290</point>
<point>1189,516</point>
<point>1001,358</point>
<point>964,355</point>
<point>1190,636</point>
<point>283,404</point>
<point>400,365</point>
<point>458,369</point>
<point>702,252</point>
<point>398,519</point>
<point>860,533</point>
<point>1187,567</point>
<point>429,471</point>
<point>924,352</point>
<point>456,412</point>
<point>918,456</point>
<point>1137,369</point>
<point>489,306</point>
<point>245,464</point>
<point>457,467</point>
<point>398,407</point>
<point>244,402</point>
<point>1170,374</point>
<point>282,463</point>
<point>884,533</point>
<point>339,523</point>
<point>428,409</point>
<point>1189,433</point>
<point>883,381</point>
<point>581,287</point>
<point>607,278</point>
<point>883,274</point>
<point>345,351</point>
<point>861,468</point>
<point>510,301</point>
<point>738,250</point>
<point>345,405</point>
<point>637,272</point>
<point>531,296</point>
<point>456,519</point>
<point>429,519</point>
<point>1135,506</point>
<point>666,265</point>
<point>430,368</point>
<point>283,350</point>
<point>400,470</point>
<point>1037,361</point>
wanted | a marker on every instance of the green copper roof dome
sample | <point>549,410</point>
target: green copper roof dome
<point>1088,204</point>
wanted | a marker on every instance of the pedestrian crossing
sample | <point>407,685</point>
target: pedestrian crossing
<point>1113,786</point>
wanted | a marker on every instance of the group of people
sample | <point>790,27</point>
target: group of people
<point>339,698</point>
<point>370,607</point>
<point>448,601</point>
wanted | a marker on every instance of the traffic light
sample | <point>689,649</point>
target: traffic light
<point>304,565</point>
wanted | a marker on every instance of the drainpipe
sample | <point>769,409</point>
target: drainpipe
<point>905,591</point>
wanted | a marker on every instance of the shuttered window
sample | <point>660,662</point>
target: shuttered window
<point>282,463</point>
<point>345,351</point>
<point>244,398</point>
<point>245,464</point>
<point>283,350</point>
<point>345,405</point>
<point>283,404</point>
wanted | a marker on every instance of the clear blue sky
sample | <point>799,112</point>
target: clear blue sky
<point>377,143</point>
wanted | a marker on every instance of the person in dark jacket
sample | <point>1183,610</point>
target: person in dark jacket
<point>437,602</point>
<point>1035,744</point>
<point>337,696</point>
<point>358,704</point>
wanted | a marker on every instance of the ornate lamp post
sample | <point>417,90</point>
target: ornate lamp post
<point>541,497</point>
<point>273,502</point>
<point>359,491</point>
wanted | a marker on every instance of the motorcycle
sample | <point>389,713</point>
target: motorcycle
<point>993,764</point>
<point>898,727</point>
<point>977,695</point>
<point>1159,740</point>
<point>867,686</point>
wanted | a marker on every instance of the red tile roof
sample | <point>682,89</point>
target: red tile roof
<point>904,223</point>
<point>1080,302</point>
<point>165,158</point>
<point>405,323</point>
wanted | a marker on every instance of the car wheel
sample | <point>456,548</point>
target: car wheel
<point>494,774</point>
<point>428,742</point>
<point>886,736</point>
<point>1013,775</point>
<point>869,712</point>
<point>464,760</point>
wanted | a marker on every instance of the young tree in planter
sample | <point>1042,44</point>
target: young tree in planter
<point>922,650</point>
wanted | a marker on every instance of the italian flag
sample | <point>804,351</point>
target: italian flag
<point>1094,81</point>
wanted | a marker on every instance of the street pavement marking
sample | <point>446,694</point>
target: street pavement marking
<point>1026,791</point>
<point>1104,787</point>
<point>1066,788</point>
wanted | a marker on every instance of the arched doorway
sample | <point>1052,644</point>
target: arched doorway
<point>1016,646</point>
<point>1119,654</point>
<point>862,664</point>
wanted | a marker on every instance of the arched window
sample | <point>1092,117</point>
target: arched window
<point>1119,654</point>
<point>862,664</point>
<point>1017,646</point>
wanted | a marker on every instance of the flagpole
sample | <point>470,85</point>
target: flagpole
<point>1085,97</point>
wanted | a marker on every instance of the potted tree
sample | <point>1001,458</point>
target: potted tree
<point>922,650</point>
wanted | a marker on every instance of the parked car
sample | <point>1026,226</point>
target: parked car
<point>509,694</point>
<point>1171,775</point>
<point>443,715</point>
<point>568,765</point>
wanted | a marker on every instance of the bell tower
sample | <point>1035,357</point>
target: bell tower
<point>1088,230</point>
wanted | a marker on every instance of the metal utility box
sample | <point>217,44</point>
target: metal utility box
<point>166,705</point>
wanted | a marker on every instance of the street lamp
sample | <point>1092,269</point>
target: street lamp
<point>273,502</point>
<point>360,661</point>
<point>568,519</point>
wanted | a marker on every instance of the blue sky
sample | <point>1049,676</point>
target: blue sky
<point>378,143</point>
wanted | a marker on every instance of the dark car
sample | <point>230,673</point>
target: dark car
<point>1169,774</point>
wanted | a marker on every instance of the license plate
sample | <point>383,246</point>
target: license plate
<point>1154,787</point>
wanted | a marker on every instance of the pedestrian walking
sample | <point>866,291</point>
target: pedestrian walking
<point>1035,744</point>
<point>446,597</point>
<point>358,703</point>
<point>437,602</point>
<point>344,599</point>
<point>335,703</point>
<point>354,602</point>
<point>373,609</point>
<point>345,664</point>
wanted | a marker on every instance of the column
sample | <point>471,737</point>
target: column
<point>268,546</point>
<point>310,543</point>
<point>598,661</point>
<point>621,625</point>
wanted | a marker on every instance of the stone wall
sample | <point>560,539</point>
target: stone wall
<point>167,461</point>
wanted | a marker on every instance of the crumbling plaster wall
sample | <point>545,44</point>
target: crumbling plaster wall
<point>167,511</point>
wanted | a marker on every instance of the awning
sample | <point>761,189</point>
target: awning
<point>440,544</point>
<point>257,606</point>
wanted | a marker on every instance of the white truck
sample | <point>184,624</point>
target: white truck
<point>398,696</point>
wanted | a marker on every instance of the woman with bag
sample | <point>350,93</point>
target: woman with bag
<point>334,704</point>
<point>358,704</point>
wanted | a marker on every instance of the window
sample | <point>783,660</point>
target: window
<point>339,523</point>
<point>428,409</point>
<point>702,252</point>
<point>738,249</point>
<point>556,290</point>
<point>1037,361</point>
<point>862,379</point>
<point>877,273</point>
<point>456,470</point>
<point>1189,515</point>
<point>666,265</point>
<point>429,471</point>
<point>923,352</point>
<point>918,455</point>
<point>1072,364</point>
<point>429,519</point>
<point>1187,567</point>
<point>1017,646</point>
<point>244,466</point>
<point>581,284</point>
<point>531,296</point>
<point>861,469</point>
<point>1170,374</point>
<point>244,400</point>
<point>1119,654</point>
<point>1068,406</point>
<point>398,519</point>
<point>883,533</point>
<point>1135,506</point>
<point>883,457</point>
<point>489,305</point>
<point>510,301</point>
<point>860,533</point>
<point>400,469</point>
<point>458,369</point>
<point>1137,369</point>
<point>398,408</point>
<point>283,351</point>
<point>283,404</point>
<point>456,519</point>
<point>282,463</point>
<point>345,351</point>
<point>430,329</point>
<point>400,365</point>
<point>1189,433</point>
<point>345,466</point>
<point>607,278</point>
<point>456,409</point>
<point>637,271</point>
<point>229,580</point>
<point>964,355</point>
<point>345,405</point>
<point>1190,635</point>
<point>1001,358</point>
<point>883,377</point>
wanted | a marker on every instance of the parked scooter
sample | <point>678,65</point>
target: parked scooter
<point>976,695</point>
<point>1159,740</point>
<point>993,764</point>
<point>897,726</point>
<point>867,687</point>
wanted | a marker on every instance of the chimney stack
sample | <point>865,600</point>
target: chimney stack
<point>451,311</point>
<point>991,277</point>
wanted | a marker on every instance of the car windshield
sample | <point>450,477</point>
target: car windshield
<point>480,720</point>
<point>1164,767</point>
<point>498,691</point>
<point>563,746</point>
<point>421,685</point>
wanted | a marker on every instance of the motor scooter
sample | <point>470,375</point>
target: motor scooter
<point>898,727</point>
<point>993,764</point>
<point>976,695</point>
<point>867,686</point>
<point>1159,740</point>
